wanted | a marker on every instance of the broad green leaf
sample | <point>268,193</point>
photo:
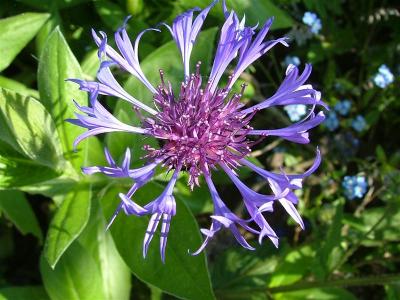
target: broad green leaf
<point>52,22</point>
<point>57,63</point>
<point>293,267</point>
<point>23,293</point>
<point>18,87</point>
<point>182,275</point>
<point>17,171</point>
<point>76,276</point>
<point>166,57</point>
<point>59,186</point>
<point>27,127</point>
<point>68,222</point>
<point>20,213</point>
<point>256,11</point>
<point>115,274</point>
<point>16,32</point>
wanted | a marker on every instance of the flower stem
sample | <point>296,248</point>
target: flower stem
<point>360,281</point>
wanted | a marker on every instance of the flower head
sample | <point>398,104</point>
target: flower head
<point>331,121</point>
<point>343,107</point>
<point>312,20</point>
<point>292,60</point>
<point>202,127</point>
<point>354,186</point>
<point>295,111</point>
<point>359,123</point>
<point>384,77</point>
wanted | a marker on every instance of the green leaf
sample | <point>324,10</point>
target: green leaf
<point>57,63</point>
<point>20,213</point>
<point>16,32</point>
<point>293,267</point>
<point>317,293</point>
<point>17,87</point>
<point>26,126</point>
<point>76,276</point>
<point>329,252</point>
<point>182,275</point>
<point>17,171</point>
<point>48,4</point>
<point>23,293</point>
<point>110,13</point>
<point>68,222</point>
<point>115,274</point>
<point>256,11</point>
<point>46,30</point>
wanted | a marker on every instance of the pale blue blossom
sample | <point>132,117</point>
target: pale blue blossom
<point>312,20</point>
<point>359,123</point>
<point>354,186</point>
<point>343,107</point>
<point>295,111</point>
<point>292,60</point>
<point>331,121</point>
<point>384,77</point>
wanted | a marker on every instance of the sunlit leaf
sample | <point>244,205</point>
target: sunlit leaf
<point>57,63</point>
<point>76,276</point>
<point>16,32</point>
<point>68,222</point>
<point>27,127</point>
<point>116,276</point>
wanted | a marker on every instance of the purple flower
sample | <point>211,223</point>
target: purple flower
<point>204,128</point>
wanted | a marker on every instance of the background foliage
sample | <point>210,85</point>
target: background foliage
<point>52,218</point>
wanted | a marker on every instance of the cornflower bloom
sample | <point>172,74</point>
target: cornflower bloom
<point>384,77</point>
<point>312,20</point>
<point>201,128</point>
<point>354,186</point>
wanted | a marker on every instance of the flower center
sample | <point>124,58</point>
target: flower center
<point>200,127</point>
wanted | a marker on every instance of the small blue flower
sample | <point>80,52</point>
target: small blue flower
<point>359,123</point>
<point>331,121</point>
<point>292,60</point>
<point>384,77</point>
<point>312,20</point>
<point>343,107</point>
<point>295,111</point>
<point>354,186</point>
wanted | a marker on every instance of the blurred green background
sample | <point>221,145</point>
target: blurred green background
<point>53,243</point>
